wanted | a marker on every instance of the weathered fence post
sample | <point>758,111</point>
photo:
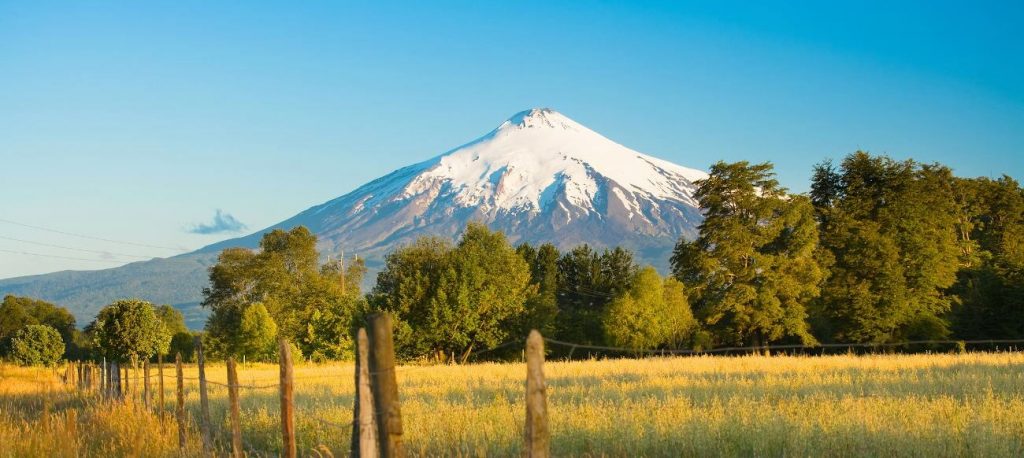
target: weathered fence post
<point>204,400</point>
<point>364,430</point>
<point>104,382</point>
<point>536,431</point>
<point>145,383</point>
<point>385,386</point>
<point>160,375</point>
<point>180,410</point>
<point>115,375</point>
<point>236,425</point>
<point>287,412</point>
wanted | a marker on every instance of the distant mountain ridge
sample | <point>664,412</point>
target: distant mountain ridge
<point>539,177</point>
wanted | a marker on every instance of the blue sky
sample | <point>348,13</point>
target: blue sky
<point>138,122</point>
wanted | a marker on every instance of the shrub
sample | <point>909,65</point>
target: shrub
<point>36,345</point>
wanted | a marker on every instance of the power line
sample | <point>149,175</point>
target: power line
<point>77,249</point>
<point>61,257</point>
<point>86,236</point>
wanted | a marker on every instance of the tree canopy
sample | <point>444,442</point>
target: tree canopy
<point>752,269</point>
<point>311,305</point>
<point>130,330</point>
<point>452,299</point>
<point>37,345</point>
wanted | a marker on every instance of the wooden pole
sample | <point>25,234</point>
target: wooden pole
<point>236,422</point>
<point>180,411</point>
<point>287,412</point>
<point>103,378</point>
<point>204,400</point>
<point>160,375</point>
<point>145,383</point>
<point>115,374</point>
<point>537,441</point>
<point>385,386</point>
<point>366,423</point>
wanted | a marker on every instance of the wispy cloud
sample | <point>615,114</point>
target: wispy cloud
<point>222,222</point>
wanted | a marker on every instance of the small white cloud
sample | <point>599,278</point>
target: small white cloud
<point>222,222</point>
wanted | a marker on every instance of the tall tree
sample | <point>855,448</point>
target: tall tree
<point>990,289</point>
<point>753,267</point>
<point>312,305</point>
<point>588,281</point>
<point>891,230</point>
<point>454,300</point>
<point>541,308</point>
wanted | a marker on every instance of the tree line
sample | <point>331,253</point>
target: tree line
<point>878,251</point>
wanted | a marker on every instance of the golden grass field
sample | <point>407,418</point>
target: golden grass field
<point>882,405</point>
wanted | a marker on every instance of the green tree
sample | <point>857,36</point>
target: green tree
<point>129,330</point>
<point>893,233</point>
<point>653,313</point>
<point>18,312</point>
<point>541,308</point>
<point>454,299</point>
<point>37,344</point>
<point>184,343</point>
<point>753,266</point>
<point>680,324</point>
<point>299,294</point>
<point>406,287</point>
<point>257,333</point>
<point>587,283</point>
<point>990,288</point>
<point>172,318</point>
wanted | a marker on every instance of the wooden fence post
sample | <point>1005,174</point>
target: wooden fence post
<point>385,386</point>
<point>145,383</point>
<point>115,375</point>
<point>287,412</point>
<point>160,375</point>
<point>364,429</point>
<point>204,400</point>
<point>236,423</point>
<point>180,410</point>
<point>537,440</point>
<point>104,382</point>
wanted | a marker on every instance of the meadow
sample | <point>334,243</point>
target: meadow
<point>969,404</point>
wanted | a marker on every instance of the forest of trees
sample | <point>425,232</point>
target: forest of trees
<point>879,251</point>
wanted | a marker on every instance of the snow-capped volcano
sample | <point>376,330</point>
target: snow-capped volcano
<point>539,176</point>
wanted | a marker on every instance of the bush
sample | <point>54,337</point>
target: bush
<point>36,345</point>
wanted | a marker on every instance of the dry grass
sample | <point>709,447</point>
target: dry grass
<point>887,405</point>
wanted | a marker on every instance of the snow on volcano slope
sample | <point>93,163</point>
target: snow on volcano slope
<point>539,177</point>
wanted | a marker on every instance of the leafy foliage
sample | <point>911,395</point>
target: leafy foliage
<point>37,345</point>
<point>18,312</point>
<point>653,313</point>
<point>890,229</point>
<point>454,299</point>
<point>258,333</point>
<point>129,330</point>
<point>752,269</point>
<point>312,306</point>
